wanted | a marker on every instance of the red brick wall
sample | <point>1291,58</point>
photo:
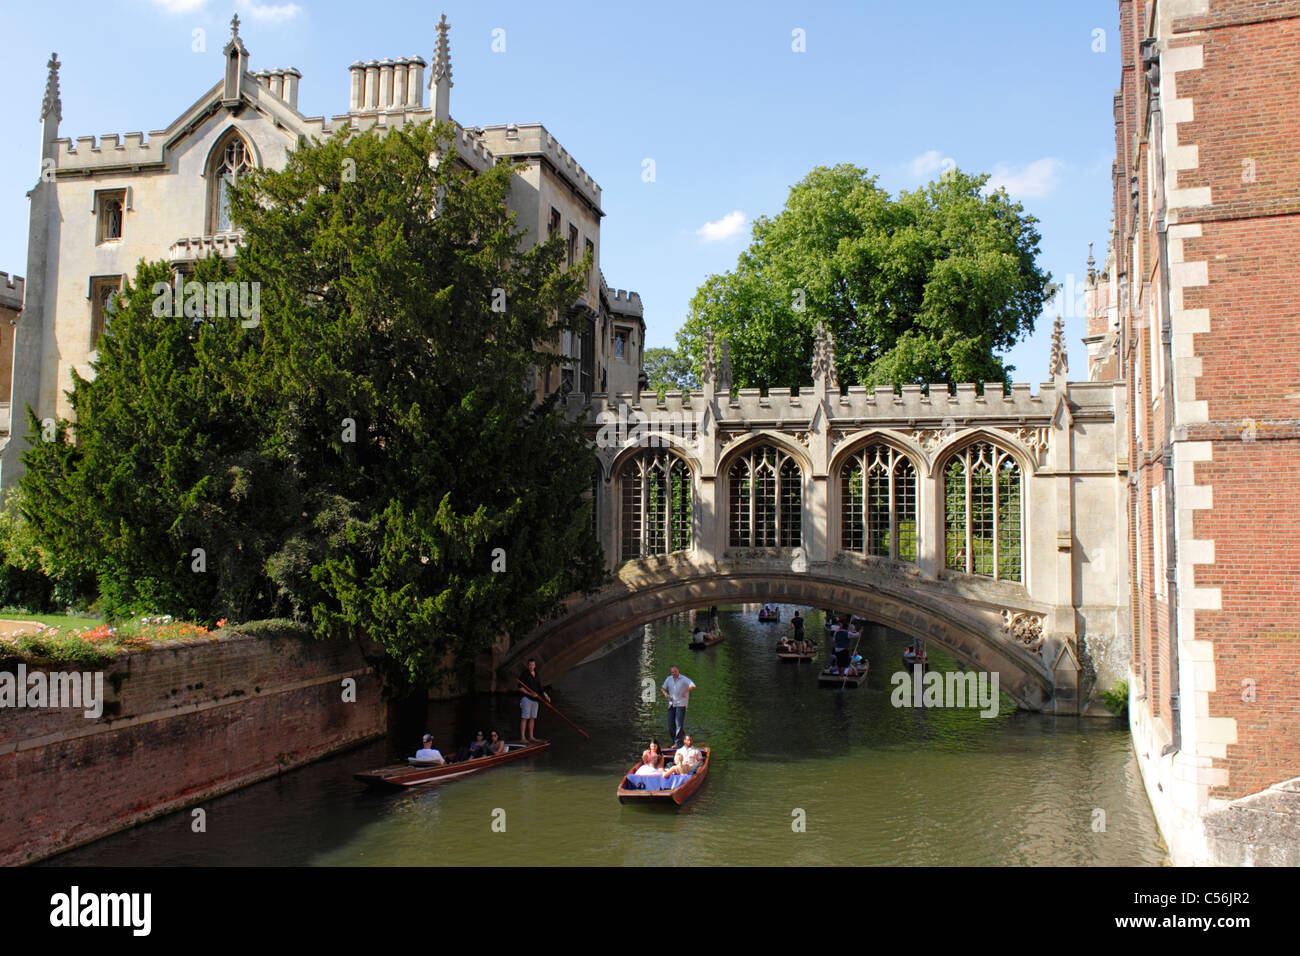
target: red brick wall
<point>191,721</point>
<point>1243,108</point>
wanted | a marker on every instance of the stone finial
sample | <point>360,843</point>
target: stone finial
<point>819,351</point>
<point>706,363</point>
<point>442,52</point>
<point>724,367</point>
<point>1059,363</point>
<point>1092,267</point>
<point>440,76</point>
<point>832,372</point>
<point>52,106</point>
<point>234,27</point>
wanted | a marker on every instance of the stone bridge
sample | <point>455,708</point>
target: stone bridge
<point>985,520</point>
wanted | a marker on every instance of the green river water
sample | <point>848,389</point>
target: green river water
<point>801,775</point>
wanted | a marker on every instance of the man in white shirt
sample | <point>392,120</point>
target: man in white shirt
<point>427,752</point>
<point>688,757</point>
<point>677,689</point>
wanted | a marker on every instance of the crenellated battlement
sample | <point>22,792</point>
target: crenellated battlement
<point>11,291</point>
<point>533,139</point>
<point>625,303</point>
<point>933,404</point>
<point>110,149</point>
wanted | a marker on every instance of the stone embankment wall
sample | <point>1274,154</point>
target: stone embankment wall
<point>182,722</point>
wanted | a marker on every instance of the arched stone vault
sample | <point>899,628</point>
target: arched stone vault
<point>653,588</point>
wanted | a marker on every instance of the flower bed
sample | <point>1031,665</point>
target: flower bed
<point>96,646</point>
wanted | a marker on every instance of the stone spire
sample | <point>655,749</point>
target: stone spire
<point>236,55</point>
<point>440,80</point>
<point>706,363</point>
<point>1059,363</point>
<point>1092,267</point>
<point>724,368</point>
<point>52,106</point>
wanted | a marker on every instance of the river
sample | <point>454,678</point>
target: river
<point>801,775</point>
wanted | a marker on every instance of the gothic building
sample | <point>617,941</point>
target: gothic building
<point>103,204</point>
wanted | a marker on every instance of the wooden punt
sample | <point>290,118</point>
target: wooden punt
<point>768,618</point>
<point>415,773</point>
<point>795,655</point>
<point>709,641</point>
<point>678,795</point>
<point>827,679</point>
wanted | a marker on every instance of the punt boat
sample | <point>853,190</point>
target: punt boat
<point>414,772</point>
<point>682,789</point>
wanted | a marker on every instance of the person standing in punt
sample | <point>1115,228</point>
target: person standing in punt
<point>532,692</point>
<point>677,689</point>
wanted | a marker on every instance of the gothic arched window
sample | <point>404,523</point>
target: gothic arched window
<point>982,508</point>
<point>230,161</point>
<point>656,493</point>
<point>878,503</point>
<point>766,500</point>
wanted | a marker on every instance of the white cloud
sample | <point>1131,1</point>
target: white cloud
<point>728,227</point>
<point>1034,181</point>
<point>930,162</point>
<point>179,6</point>
<point>268,12</point>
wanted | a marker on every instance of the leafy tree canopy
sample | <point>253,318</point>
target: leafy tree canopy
<point>925,287</point>
<point>669,370</point>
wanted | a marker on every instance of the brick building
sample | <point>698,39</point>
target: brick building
<point>1192,310</point>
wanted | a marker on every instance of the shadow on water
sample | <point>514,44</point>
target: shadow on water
<point>801,775</point>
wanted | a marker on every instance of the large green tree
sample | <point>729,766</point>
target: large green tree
<point>925,287</point>
<point>403,320</point>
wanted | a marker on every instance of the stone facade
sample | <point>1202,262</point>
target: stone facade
<point>1199,328</point>
<point>102,204</point>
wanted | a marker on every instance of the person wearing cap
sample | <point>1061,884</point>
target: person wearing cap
<point>427,752</point>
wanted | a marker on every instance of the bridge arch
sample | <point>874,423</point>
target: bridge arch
<point>654,588</point>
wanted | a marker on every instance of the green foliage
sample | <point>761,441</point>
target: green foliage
<point>921,288</point>
<point>167,459</point>
<point>669,370</point>
<point>1116,699</point>
<point>379,298</point>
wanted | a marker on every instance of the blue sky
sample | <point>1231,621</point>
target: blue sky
<point>715,94</point>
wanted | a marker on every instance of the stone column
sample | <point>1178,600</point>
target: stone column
<point>372,85</point>
<point>385,84</point>
<point>357,95</point>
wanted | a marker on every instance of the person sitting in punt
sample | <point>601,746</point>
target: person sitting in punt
<point>656,754</point>
<point>787,645</point>
<point>477,748</point>
<point>647,768</point>
<point>687,758</point>
<point>427,753</point>
<point>496,745</point>
<point>698,635</point>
